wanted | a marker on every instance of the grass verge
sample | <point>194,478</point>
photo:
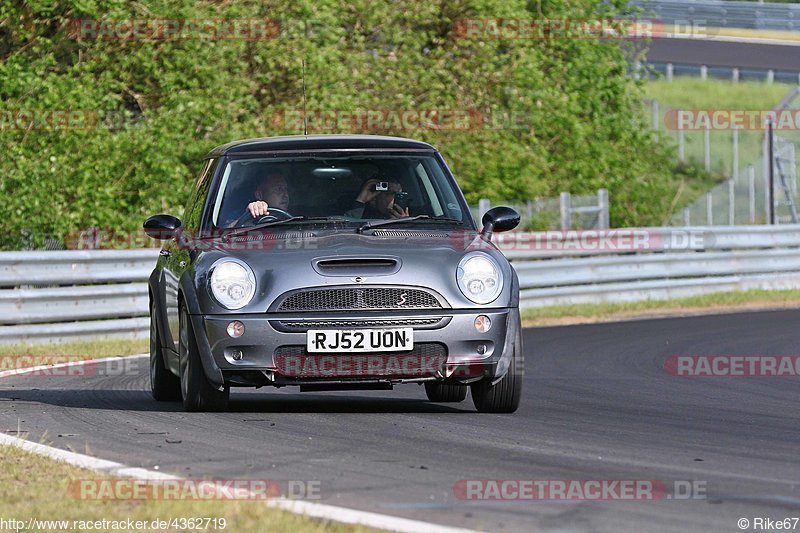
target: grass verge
<point>693,93</point>
<point>32,486</point>
<point>706,304</point>
<point>74,351</point>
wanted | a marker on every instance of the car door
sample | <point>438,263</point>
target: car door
<point>177,253</point>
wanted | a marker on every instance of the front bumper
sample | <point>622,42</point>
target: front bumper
<point>447,348</point>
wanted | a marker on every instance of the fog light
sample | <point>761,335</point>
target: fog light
<point>483,323</point>
<point>481,349</point>
<point>236,355</point>
<point>235,329</point>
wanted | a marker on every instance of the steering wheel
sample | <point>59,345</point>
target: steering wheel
<point>274,214</point>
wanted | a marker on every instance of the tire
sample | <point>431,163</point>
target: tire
<point>445,392</point>
<point>197,392</point>
<point>504,396</point>
<point>164,385</point>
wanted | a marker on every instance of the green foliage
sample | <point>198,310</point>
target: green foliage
<point>162,104</point>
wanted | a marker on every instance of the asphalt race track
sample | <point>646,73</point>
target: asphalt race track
<point>598,405</point>
<point>722,53</point>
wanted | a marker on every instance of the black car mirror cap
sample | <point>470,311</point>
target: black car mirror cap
<point>500,218</point>
<point>162,227</point>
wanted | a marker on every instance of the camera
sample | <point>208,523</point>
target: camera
<point>402,199</point>
<point>382,186</point>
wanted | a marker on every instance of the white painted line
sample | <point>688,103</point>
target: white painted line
<point>66,364</point>
<point>311,509</point>
<point>730,39</point>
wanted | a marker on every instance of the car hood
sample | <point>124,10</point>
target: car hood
<point>290,261</point>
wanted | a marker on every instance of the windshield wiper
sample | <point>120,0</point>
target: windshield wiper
<point>264,225</point>
<point>239,231</point>
<point>370,225</point>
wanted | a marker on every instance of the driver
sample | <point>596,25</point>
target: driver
<point>272,191</point>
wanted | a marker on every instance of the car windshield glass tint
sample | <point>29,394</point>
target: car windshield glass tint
<point>353,188</point>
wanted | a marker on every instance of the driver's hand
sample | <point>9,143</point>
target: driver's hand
<point>258,208</point>
<point>368,191</point>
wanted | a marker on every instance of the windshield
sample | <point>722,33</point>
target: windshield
<point>355,189</point>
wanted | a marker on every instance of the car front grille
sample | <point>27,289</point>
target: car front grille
<point>355,298</point>
<point>425,360</point>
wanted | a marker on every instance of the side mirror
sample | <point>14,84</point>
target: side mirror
<point>499,219</point>
<point>162,227</point>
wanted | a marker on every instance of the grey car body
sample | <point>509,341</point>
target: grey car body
<point>330,274</point>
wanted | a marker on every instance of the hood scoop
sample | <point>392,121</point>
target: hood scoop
<point>357,265</point>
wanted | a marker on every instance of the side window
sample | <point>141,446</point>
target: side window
<point>197,200</point>
<point>433,198</point>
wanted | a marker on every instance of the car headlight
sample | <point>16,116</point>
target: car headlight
<point>479,278</point>
<point>233,283</point>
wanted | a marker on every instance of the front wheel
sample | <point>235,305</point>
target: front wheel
<point>503,396</point>
<point>198,393</point>
<point>164,385</point>
<point>445,392</point>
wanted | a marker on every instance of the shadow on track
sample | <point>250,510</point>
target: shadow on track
<point>137,400</point>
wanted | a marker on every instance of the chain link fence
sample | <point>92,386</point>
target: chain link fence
<point>568,211</point>
<point>741,156</point>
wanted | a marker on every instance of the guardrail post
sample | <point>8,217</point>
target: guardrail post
<point>735,153</point>
<point>770,76</point>
<point>602,204</point>
<point>670,70</point>
<point>707,147</point>
<point>771,174</point>
<point>681,146</point>
<point>484,204</point>
<point>735,75</point>
<point>703,72</point>
<point>566,211</point>
<point>731,202</point>
<point>751,192</point>
<point>765,174</point>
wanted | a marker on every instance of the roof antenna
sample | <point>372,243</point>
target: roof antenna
<point>305,120</point>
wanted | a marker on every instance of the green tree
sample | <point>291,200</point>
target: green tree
<point>159,105</point>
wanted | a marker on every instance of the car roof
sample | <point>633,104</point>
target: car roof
<point>312,143</point>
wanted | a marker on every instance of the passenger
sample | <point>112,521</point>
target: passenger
<point>374,203</point>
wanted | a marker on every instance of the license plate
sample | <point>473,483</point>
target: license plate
<point>359,340</point>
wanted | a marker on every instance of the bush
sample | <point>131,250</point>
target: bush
<point>159,106</point>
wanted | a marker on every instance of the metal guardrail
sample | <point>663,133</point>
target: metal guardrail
<point>68,295</point>
<point>670,263</point>
<point>725,13</point>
